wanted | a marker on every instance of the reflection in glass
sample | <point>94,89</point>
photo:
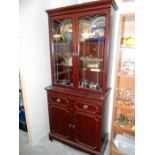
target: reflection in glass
<point>62,35</point>
<point>91,48</point>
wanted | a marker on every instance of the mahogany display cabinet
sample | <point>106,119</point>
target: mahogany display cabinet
<point>79,50</point>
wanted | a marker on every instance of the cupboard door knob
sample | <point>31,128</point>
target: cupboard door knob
<point>73,126</point>
<point>70,125</point>
<point>58,100</point>
<point>85,107</point>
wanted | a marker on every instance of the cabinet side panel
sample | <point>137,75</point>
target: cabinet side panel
<point>111,71</point>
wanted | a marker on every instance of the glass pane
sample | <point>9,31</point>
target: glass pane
<point>91,48</point>
<point>62,46</point>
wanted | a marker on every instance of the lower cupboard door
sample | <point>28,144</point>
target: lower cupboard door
<point>87,130</point>
<point>60,121</point>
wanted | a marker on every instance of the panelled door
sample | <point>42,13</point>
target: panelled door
<point>92,31</point>
<point>60,117</point>
<point>86,127</point>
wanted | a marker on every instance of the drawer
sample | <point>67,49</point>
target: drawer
<point>88,107</point>
<point>58,100</point>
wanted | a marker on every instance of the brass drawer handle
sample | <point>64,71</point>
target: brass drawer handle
<point>58,100</point>
<point>85,107</point>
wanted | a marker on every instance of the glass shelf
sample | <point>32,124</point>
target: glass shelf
<point>127,47</point>
<point>129,106</point>
<point>125,129</point>
<point>125,75</point>
<point>92,69</point>
<point>65,65</point>
<point>91,59</point>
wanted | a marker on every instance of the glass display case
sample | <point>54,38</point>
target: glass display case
<point>123,125</point>
<point>78,52</point>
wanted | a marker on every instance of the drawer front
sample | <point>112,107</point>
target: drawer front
<point>58,100</point>
<point>88,107</point>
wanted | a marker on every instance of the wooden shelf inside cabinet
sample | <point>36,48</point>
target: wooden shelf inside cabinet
<point>91,59</point>
<point>92,69</point>
<point>119,74</point>
<point>63,65</point>
<point>127,47</point>
<point>124,106</point>
<point>125,129</point>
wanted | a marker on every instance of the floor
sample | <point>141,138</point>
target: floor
<point>46,147</point>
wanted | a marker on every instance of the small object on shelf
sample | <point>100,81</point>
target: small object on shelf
<point>68,36</point>
<point>124,122</point>
<point>85,84</point>
<point>98,22</point>
<point>94,86</point>
<point>125,143</point>
<point>133,127</point>
<point>127,97</point>
<point>65,82</point>
<point>133,98</point>
<point>129,41</point>
<point>92,31</point>
<point>85,29</point>
<point>91,85</point>
<point>66,30</point>
<point>57,37</point>
<point>95,39</point>
<point>97,26</point>
<point>95,70</point>
<point>92,63</point>
<point>120,96</point>
<point>68,60</point>
<point>128,67</point>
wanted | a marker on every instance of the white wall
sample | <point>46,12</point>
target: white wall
<point>60,3</point>
<point>35,63</point>
<point>35,66</point>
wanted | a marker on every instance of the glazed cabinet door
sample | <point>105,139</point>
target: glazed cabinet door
<point>59,115</point>
<point>87,128</point>
<point>62,48</point>
<point>92,42</point>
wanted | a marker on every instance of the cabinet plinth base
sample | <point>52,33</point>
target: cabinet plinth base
<point>73,144</point>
